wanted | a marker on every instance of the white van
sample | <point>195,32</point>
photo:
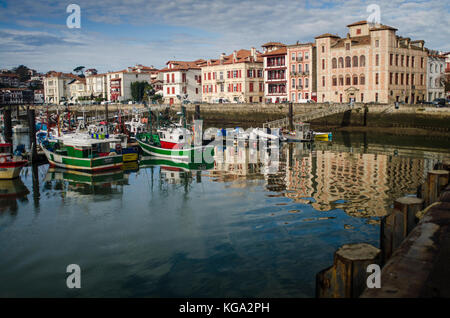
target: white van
<point>305,101</point>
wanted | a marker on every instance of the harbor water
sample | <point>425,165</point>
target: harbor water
<point>236,229</point>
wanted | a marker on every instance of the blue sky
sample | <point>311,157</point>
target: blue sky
<point>116,34</point>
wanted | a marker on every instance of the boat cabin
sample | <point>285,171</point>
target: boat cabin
<point>83,147</point>
<point>303,131</point>
<point>5,149</point>
<point>169,137</point>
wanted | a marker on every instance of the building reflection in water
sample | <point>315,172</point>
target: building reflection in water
<point>362,184</point>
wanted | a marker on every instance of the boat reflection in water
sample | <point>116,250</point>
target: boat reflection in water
<point>12,191</point>
<point>175,171</point>
<point>76,183</point>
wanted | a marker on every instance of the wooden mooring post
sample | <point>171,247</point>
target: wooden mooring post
<point>435,183</point>
<point>8,124</point>
<point>32,133</point>
<point>347,277</point>
<point>398,224</point>
<point>291,117</point>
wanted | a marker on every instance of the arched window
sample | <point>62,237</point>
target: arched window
<point>341,62</point>
<point>437,82</point>
<point>299,83</point>
<point>362,61</point>
<point>348,80</point>
<point>334,81</point>
<point>334,63</point>
<point>355,61</point>
<point>362,79</point>
<point>341,80</point>
<point>355,79</point>
<point>348,61</point>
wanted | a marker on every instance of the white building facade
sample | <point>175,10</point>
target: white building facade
<point>436,76</point>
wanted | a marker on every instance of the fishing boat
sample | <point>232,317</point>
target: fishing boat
<point>302,133</point>
<point>151,145</point>
<point>10,166</point>
<point>82,152</point>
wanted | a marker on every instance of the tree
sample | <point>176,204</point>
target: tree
<point>79,70</point>
<point>23,72</point>
<point>139,89</point>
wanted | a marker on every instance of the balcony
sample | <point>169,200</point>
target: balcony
<point>175,83</point>
<point>220,80</point>
<point>299,59</point>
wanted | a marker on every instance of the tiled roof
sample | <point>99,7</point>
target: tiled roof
<point>280,51</point>
<point>273,44</point>
<point>8,75</point>
<point>183,65</point>
<point>242,56</point>
<point>382,27</point>
<point>357,40</point>
<point>357,23</point>
<point>327,35</point>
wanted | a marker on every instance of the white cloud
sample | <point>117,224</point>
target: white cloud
<point>223,26</point>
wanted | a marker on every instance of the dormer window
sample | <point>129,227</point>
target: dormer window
<point>358,31</point>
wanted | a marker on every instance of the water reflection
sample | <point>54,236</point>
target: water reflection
<point>12,191</point>
<point>76,184</point>
<point>329,176</point>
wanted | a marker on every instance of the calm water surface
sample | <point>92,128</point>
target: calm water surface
<point>239,229</point>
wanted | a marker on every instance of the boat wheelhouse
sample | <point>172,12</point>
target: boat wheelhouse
<point>82,152</point>
<point>10,166</point>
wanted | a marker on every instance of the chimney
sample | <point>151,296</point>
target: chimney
<point>221,58</point>
<point>253,53</point>
<point>234,56</point>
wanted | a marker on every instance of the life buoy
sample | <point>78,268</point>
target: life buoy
<point>2,159</point>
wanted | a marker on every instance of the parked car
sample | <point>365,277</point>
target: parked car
<point>439,102</point>
<point>305,101</point>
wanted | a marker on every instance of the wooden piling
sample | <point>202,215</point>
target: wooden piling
<point>197,112</point>
<point>347,277</point>
<point>291,117</point>
<point>32,133</point>
<point>409,206</point>
<point>7,124</point>
<point>436,181</point>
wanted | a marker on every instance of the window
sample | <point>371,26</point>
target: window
<point>401,60</point>
<point>293,68</point>
<point>355,61</point>
<point>173,90</point>
<point>362,61</point>
<point>355,80</point>
<point>306,68</point>
<point>347,80</point>
<point>334,63</point>
<point>341,62</point>
<point>347,46</point>
<point>377,79</point>
<point>173,78</point>
<point>323,81</point>
<point>421,79</point>
<point>412,79</point>
<point>407,60</point>
<point>250,88</point>
<point>391,56</point>
<point>377,43</point>
<point>299,68</point>
<point>407,79</point>
<point>362,97</point>
<point>377,60</point>
<point>421,62</point>
<point>401,78</point>
<point>323,64</point>
<point>358,31</point>
<point>334,81</point>
<point>323,48</point>
<point>390,78</point>
<point>306,83</point>
<point>412,61</point>
<point>168,90</point>
<point>293,83</point>
<point>341,80</point>
<point>196,90</point>
<point>396,78</point>
<point>293,56</point>
<point>293,97</point>
<point>299,96</point>
<point>306,55</point>
<point>300,83</point>
<point>362,80</point>
<point>348,61</point>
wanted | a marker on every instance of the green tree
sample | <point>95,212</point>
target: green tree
<point>139,89</point>
<point>22,71</point>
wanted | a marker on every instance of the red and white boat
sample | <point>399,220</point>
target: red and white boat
<point>174,137</point>
<point>10,167</point>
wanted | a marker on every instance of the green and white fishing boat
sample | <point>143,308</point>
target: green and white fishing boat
<point>82,152</point>
<point>151,145</point>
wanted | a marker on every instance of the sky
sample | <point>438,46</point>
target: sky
<point>116,34</point>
